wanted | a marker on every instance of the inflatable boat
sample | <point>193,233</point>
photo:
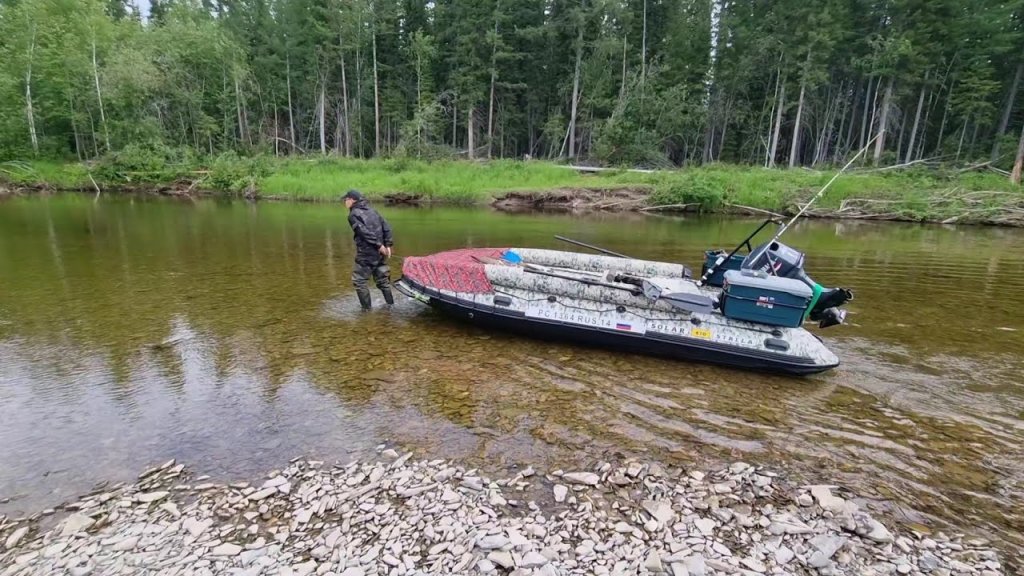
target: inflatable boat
<point>746,311</point>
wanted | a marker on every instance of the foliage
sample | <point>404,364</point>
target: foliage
<point>660,82</point>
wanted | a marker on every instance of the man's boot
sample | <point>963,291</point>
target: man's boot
<point>364,299</point>
<point>388,296</point>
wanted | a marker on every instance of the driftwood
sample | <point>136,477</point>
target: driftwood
<point>680,207</point>
<point>601,169</point>
<point>950,206</point>
<point>754,210</point>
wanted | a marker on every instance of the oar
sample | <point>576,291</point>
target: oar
<point>591,246</point>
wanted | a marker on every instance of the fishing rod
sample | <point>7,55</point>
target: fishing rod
<point>592,247</point>
<point>785,226</point>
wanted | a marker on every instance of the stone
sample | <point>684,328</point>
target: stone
<point>75,523</point>
<point>533,560</point>
<point>819,560</point>
<point>353,571</point>
<point>873,529</point>
<point>560,493</point>
<point>196,527</point>
<point>753,564</point>
<point>904,568</point>
<point>660,510</point>
<point>623,527</point>
<point>126,545</point>
<point>651,525</point>
<point>695,565</point>
<point>928,562</point>
<point>705,525</point>
<point>275,482</point>
<point>784,555</point>
<point>485,565</point>
<point>492,542</point>
<point>389,454</point>
<point>824,497</point>
<point>171,508</point>
<point>148,497</point>
<point>264,493</point>
<point>503,559</point>
<point>15,537</point>
<point>653,561</point>
<point>788,524</point>
<point>585,478</point>
<point>226,549</point>
<point>828,545</point>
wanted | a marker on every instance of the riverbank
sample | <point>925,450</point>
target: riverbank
<point>400,516</point>
<point>921,195</point>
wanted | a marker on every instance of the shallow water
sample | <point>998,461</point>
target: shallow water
<point>226,335</point>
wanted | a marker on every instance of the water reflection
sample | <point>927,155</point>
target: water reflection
<point>224,334</point>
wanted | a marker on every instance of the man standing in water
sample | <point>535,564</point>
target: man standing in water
<point>372,235</point>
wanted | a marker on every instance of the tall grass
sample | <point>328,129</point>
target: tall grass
<point>708,187</point>
<point>446,180</point>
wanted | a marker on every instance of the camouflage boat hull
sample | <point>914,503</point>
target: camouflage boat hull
<point>574,297</point>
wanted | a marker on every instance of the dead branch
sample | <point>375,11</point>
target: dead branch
<point>667,207</point>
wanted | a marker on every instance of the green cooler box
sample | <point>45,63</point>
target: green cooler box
<point>757,297</point>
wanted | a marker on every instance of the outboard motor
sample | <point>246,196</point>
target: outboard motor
<point>780,260</point>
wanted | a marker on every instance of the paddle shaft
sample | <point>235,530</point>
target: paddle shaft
<point>592,247</point>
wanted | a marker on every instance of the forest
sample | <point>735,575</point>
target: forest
<point>653,83</point>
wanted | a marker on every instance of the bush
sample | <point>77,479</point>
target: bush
<point>152,162</point>
<point>233,173</point>
<point>693,188</point>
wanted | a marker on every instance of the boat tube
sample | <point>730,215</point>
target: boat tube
<point>753,321</point>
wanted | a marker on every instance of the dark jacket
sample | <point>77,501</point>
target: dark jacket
<point>370,231</point>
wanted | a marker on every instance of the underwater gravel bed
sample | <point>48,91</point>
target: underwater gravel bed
<point>399,516</point>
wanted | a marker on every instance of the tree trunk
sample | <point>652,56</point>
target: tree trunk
<point>99,95</point>
<point>864,115</point>
<point>883,121</point>
<point>917,119</point>
<point>945,114</point>
<point>1007,109</point>
<point>576,92</point>
<point>29,110</point>
<point>238,110</point>
<point>376,95</point>
<point>793,148</point>
<point>494,75</point>
<point>469,136</point>
<point>291,114</point>
<point>323,121</point>
<point>622,86</point>
<point>1019,162</point>
<point>359,86</point>
<point>778,124</point>
<point>959,147</point>
<point>771,120</point>
<point>277,138</point>
<point>643,52</point>
<point>344,101</point>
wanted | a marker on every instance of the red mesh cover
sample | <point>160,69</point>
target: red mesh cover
<point>455,270</point>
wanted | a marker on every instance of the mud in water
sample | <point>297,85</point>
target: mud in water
<point>226,335</point>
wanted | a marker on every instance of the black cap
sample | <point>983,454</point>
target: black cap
<point>353,194</point>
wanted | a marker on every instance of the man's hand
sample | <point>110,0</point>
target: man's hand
<point>385,251</point>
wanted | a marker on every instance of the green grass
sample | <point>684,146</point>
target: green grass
<point>912,193</point>
<point>448,180</point>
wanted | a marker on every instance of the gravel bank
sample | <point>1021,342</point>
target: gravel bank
<point>404,517</point>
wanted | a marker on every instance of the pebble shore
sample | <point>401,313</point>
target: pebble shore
<point>398,516</point>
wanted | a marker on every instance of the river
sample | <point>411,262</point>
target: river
<point>226,335</point>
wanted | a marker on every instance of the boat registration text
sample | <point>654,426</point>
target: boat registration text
<point>593,318</point>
